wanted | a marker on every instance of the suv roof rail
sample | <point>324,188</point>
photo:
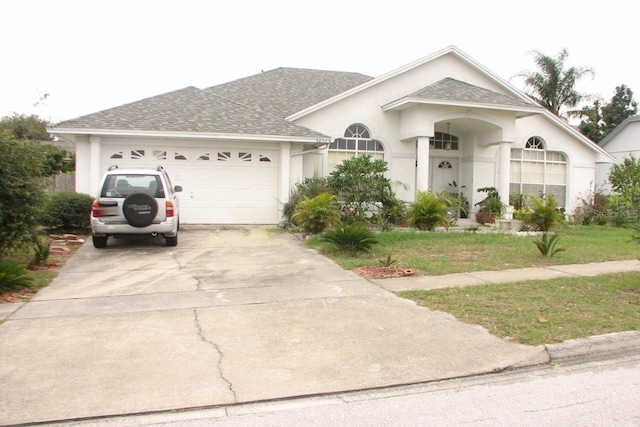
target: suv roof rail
<point>112,167</point>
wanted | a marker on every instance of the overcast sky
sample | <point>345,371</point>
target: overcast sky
<point>90,55</point>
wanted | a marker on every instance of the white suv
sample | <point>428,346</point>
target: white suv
<point>136,202</point>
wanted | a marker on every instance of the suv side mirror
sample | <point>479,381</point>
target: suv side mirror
<point>177,188</point>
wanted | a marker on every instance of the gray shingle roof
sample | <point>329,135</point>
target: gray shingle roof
<point>255,105</point>
<point>450,89</point>
<point>284,91</point>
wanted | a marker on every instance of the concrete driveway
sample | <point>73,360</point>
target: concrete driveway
<point>230,315</point>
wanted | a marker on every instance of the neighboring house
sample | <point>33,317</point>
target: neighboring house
<point>239,147</point>
<point>622,142</point>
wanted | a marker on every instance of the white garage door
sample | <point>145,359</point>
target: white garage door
<point>220,186</point>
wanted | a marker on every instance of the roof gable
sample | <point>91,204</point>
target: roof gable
<point>612,135</point>
<point>450,89</point>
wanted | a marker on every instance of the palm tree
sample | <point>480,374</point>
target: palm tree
<point>551,85</point>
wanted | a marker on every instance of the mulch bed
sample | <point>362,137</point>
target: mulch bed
<point>383,272</point>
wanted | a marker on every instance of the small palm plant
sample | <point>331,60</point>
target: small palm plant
<point>428,212</point>
<point>547,244</point>
<point>42,250</point>
<point>315,215</point>
<point>354,237</point>
<point>13,275</point>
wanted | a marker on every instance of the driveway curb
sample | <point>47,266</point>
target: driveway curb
<point>595,347</point>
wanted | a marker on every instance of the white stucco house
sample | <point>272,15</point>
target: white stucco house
<point>239,147</point>
<point>622,142</point>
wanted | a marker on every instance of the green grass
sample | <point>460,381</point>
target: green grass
<point>535,312</point>
<point>544,311</point>
<point>455,252</point>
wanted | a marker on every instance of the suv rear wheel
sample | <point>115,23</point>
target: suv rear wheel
<point>100,242</point>
<point>171,241</point>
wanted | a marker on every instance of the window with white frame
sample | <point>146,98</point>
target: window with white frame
<point>357,141</point>
<point>537,171</point>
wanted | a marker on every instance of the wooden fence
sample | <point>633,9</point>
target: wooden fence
<point>61,182</point>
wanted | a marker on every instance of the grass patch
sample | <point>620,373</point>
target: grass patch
<point>457,252</point>
<point>543,311</point>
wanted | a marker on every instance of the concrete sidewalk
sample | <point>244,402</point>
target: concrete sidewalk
<point>506,276</point>
<point>232,315</point>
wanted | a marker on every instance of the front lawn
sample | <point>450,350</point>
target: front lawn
<point>534,312</point>
<point>543,311</point>
<point>437,253</point>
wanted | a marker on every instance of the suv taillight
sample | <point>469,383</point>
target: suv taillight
<point>169,209</point>
<point>96,212</point>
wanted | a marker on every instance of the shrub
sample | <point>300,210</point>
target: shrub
<point>427,212</point>
<point>21,191</point>
<point>68,210</point>
<point>13,275</point>
<point>394,210</point>
<point>352,237</point>
<point>591,208</point>
<point>361,186</point>
<point>309,188</point>
<point>545,214</point>
<point>42,250</point>
<point>315,215</point>
<point>546,244</point>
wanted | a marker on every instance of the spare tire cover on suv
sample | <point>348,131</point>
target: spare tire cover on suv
<point>140,209</point>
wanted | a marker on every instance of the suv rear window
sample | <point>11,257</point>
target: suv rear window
<point>125,185</point>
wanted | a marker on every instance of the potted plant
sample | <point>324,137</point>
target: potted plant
<point>490,207</point>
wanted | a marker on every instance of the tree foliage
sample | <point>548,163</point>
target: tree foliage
<point>599,120</point>
<point>24,127</point>
<point>21,190</point>
<point>361,185</point>
<point>552,85</point>
<point>625,178</point>
<point>33,128</point>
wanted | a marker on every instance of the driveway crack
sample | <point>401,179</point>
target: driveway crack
<point>216,347</point>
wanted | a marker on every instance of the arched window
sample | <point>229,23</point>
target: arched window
<point>537,171</point>
<point>357,141</point>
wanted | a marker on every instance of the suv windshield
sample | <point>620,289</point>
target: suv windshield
<point>122,185</point>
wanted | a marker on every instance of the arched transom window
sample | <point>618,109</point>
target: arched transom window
<point>536,170</point>
<point>357,141</point>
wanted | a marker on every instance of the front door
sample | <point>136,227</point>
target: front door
<point>443,172</point>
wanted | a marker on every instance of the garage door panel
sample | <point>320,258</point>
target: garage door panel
<point>230,186</point>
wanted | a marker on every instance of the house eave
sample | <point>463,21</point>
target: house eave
<point>187,135</point>
<point>405,103</point>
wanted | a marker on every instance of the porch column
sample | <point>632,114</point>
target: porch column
<point>285,171</point>
<point>95,148</point>
<point>422,164</point>
<point>504,171</point>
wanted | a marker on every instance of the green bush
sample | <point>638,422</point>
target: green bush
<point>591,209</point>
<point>361,186</point>
<point>13,275</point>
<point>21,191</point>
<point>68,210</point>
<point>353,237</point>
<point>313,216</point>
<point>309,188</point>
<point>544,214</point>
<point>427,212</point>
